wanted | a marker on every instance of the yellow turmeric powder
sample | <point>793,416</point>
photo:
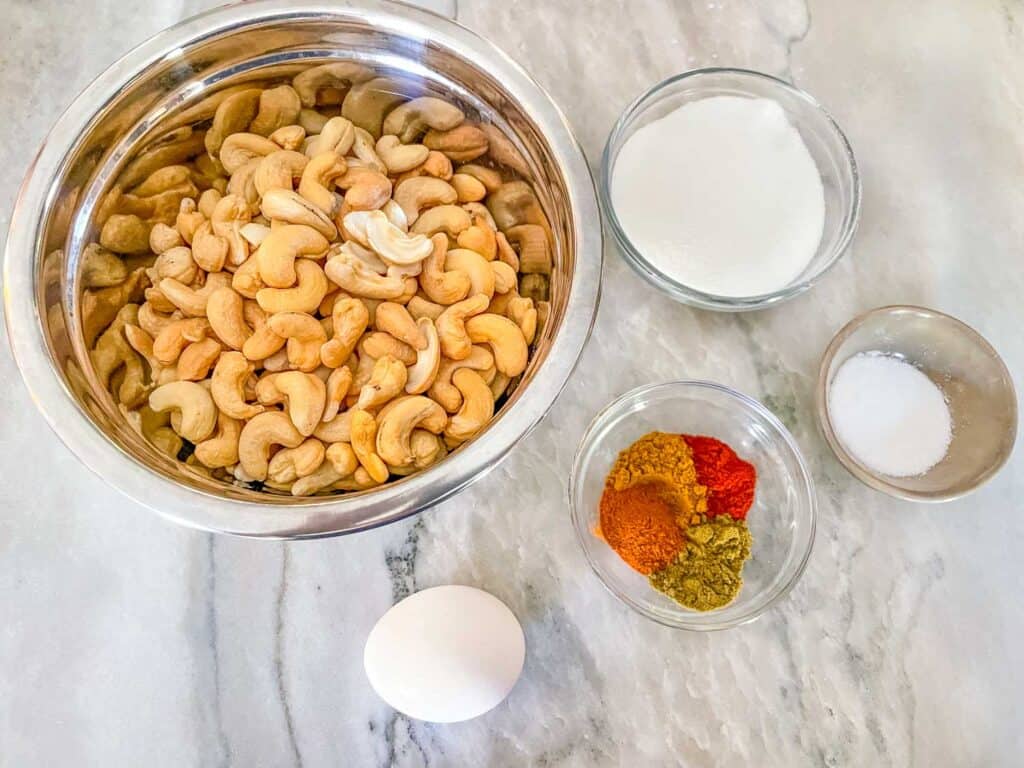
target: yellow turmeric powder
<point>668,458</point>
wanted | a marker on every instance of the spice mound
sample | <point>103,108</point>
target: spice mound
<point>674,508</point>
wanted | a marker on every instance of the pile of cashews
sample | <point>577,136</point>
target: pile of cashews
<point>317,286</point>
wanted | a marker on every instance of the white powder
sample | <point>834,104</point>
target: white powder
<point>889,415</point>
<point>721,195</point>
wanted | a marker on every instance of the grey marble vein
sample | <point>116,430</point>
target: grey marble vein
<point>127,641</point>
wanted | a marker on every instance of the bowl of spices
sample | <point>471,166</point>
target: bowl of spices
<point>692,504</point>
<point>729,189</point>
<point>916,404</point>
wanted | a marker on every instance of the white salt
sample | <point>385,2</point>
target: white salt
<point>722,195</point>
<point>889,415</point>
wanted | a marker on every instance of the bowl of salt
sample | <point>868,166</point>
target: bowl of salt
<point>916,404</point>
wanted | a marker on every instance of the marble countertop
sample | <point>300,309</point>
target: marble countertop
<point>127,641</point>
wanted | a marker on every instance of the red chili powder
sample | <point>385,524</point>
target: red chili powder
<point>730,480</point>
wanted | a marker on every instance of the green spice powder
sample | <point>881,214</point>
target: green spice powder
<point>706,573</point>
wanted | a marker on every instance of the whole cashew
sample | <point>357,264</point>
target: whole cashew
<point>490,178</point>
<point>388,380</point>
<point>276,256</point>
<point>451,326</point>
<point>209,250</point>
<point>177,335</point>
<point>305,336</point>
<point>481,238</point>
<point>337,430</point>
<point>240,148</point>
<point>395,246</point>
<point>366,153</point>
<point>291,207</point>
<point>289,464</point>
<point>506,340</point>
<point>367,189</point>
<point>450,219</point>
<point>227,386</point>
<point>193,402</point>
<point>461,144</point>
<point>420,307</point>
<point>364,438</point>
<point>259,434</point>
<point>233,114</point>
<point>303,393</point>
<point>304,297</point>
<point>225,311</point>
<point>177,262</point>
<point>163,237</point>
<point>197,358</point>
<point>289,137</point>
<point>477,406</point>
<point>354,276</point>
<point>246,280</point>
<point>481,276</point>
<point>152,322</point>
<point>469,188</point>
<point>378,344</point>
<point>505,279</point>
<point>337,135</point>
<point>221,450</point>
<point>439,285</point>
<point>278,107</point>
<point>444,391</point>
<point>243,182</point>
<point>396,426</point>
<point>318,180</point>
<point>409,121</point>
<point>229,215</point>
<point>192,301</point>
<point>311,121</point>
<point>349,318</point>
<point>279,170</point>
<point>338,74</point>
<point>338,384</point>
<point>395,319</point>
<point>428,359</point>
<point>413,195</point>
<point>399,157</point>
<point>427,449</point>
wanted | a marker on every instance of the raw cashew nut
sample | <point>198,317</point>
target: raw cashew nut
<point>338,384</point>
<point>388,380</point>
<point>506,340</point>
<point>227,386</point>
<point>420,307</point>
<point>477,406</point>
<point>490,178</point>
<point>152,322</point>
<point>304,297</point>
<point>505,279</point>
<point>163,237</point>
<point>451,326</point>
<point>276,256</point>
<point>304,395</point>
<point>428,359</point>
<point>318,180</point>
<point>177,262</point>
<point>521,311</point>
<point>481,276</point>
<point>395,319</point>
<point>225,311</point>
<point>337,74</point>
<point>233,114</point>
<point>337,135</point>
<point>409,121</point>
<point>258,436</point>
<point>177,335</point>
<point>192,301</point>
<point>289,137</point>
<point>469,188</point>
<point>278,107</point>
<point>394,245</point>
<point>349,318</point>
<point>305,336</point>
<point>399,157</point>
<point>289,464</point>
<point>396,426</point>
<point>279,170</point>
<point>291,207</point>
<point>461,144</point>
<point>444,391</point>
<point>193,402</point>
<point>240,148</point>
<point>364,434</point>
<point>450,219</point>
<point>246,279</point>
<point>209,250</point>
<point>221,450</point>
<point>439,285</point>
<point>338,430</point>
<point>197,358</point>
<point>367,189</point>
<point>413,195</point>
<point>354,276</point>
<point>379,344</point>
<point>480,238</point>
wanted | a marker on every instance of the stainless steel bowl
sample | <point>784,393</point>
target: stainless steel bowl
<point>163,82</point>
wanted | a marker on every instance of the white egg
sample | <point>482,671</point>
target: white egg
<point>445,654</point>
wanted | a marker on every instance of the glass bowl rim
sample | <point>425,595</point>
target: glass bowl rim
<point>680,291</point>
<point>679,620</point>
<point>872,479</point>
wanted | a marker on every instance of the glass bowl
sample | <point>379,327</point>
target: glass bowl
<point>824,139</point>
<point>781,520</point>
<point>974,379</point>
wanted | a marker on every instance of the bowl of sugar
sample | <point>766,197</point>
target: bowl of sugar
<point>729,189</point>
<point>916,404</point>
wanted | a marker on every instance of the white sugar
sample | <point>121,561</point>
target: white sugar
<point>889,415</point>
<point>722,195</point>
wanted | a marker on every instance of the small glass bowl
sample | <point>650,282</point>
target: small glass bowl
<point>974,379</point>
<point>824,139</point>
<point>781,520</point>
